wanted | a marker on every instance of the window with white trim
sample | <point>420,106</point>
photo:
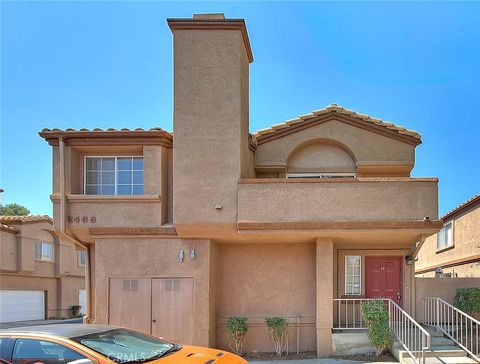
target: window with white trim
<point>445,236</point>
<point>114,175</point>
<point>44,251</point>
<point>81,258</point>
<point>353,274</point>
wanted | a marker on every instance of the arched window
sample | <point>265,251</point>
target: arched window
<point>320,160</point>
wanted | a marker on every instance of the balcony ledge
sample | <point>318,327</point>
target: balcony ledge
<point>335,180</point>
<point>108,198</point>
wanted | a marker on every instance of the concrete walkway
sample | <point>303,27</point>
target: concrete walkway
<point>319,361</point>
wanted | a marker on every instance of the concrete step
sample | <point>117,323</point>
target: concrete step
<point>441,341</point>
<point>442,360</point>
<point>440,350</point>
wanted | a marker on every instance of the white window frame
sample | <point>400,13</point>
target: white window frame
<point>80,252</point>
<point>441,245</point>
<point>115,171</point>
<point>347,293</point>
<point>43,257</point>
<point>323,175</point>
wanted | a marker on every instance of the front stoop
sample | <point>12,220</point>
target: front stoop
<point>443,351</point>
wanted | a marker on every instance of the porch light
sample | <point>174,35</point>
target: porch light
<point>181,255</point>
<point>192,254</point>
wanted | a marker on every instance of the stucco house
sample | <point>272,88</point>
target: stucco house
<point>187,229</point>
<point>455,250</point>
<point>40,275</point>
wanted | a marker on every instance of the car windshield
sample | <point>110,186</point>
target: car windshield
<point>123,346</point>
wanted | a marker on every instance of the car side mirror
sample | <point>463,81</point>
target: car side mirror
<point>81,361</point>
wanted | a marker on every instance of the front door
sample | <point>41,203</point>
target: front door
<point>383,277</point>
<point>172,309</point>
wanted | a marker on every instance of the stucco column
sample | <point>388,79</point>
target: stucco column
<point>324,294</point>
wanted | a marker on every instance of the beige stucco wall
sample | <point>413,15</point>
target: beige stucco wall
<point>444,288</point>
<point>466,239</point>
<point>330,200</point>
<point>210,124</point>
<point>256,281</point>
<point>367,148</point>
<point>8,249</point>
<point>155,258</point>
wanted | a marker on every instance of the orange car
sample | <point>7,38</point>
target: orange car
<point>96,344</point>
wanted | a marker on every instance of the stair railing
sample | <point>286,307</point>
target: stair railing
<point>409,333</point>
<point>460,327</point>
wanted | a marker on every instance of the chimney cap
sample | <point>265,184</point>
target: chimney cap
<point>212,22</point>
<point>216,16</point>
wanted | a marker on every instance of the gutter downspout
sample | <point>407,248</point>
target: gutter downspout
<point>63,229</point>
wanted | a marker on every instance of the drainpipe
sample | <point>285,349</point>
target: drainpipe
<point>63,229</point>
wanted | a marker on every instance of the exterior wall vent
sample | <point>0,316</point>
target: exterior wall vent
<point>130,285</point>
<point>172,285</point>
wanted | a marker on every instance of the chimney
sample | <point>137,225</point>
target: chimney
<point>210,122</point>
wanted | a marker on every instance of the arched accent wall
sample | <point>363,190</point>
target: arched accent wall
<point>321,156</point>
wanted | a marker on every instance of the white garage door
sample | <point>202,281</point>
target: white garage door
<point>21,305</point>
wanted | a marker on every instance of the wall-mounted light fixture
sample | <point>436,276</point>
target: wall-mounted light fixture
<point>181,255</point>
<point>192,254</point>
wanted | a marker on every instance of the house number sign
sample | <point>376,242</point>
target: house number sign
<point>84,219</point>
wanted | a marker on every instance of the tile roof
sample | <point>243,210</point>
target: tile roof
<point>9,220</point>
<point>334,108</point>
<point>472,202</point>
<point>8,228</point>
<point>152,134</point>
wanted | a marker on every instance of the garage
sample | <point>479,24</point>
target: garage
<point>21,305</point>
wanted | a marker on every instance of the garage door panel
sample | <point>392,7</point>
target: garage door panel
<point>130,303</point>
<point>21,305</point>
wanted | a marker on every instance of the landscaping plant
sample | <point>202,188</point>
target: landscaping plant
<point>278,330</point>
<point>76,311</point>
<point>237,330</point>
<point>376,317</point>
<point>468,300</point>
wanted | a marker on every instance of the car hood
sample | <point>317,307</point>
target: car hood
<point>194,355</point>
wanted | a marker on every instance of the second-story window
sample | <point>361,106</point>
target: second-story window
<point>44,251</point>
<point>445,236</point>
<point>114,175</point>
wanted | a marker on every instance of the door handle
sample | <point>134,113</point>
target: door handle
<point>398,296</point>
<point>154,320</point>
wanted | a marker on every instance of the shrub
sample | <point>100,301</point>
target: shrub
<point>237,330</point>
<point>376,317</point>
<point>468,300</point>
<point>278,330</point>
<point>76,310</point>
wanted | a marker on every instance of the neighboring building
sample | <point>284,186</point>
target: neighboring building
<point>40,276</point>
<point>455,250</point>
<point>187,229</point>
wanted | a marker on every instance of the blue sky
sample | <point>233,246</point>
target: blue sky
<point>109,64</point>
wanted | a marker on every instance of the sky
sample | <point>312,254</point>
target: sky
<point>109,64</point>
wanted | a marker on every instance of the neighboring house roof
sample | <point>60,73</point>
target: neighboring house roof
<point>346,115</point>
<point>28,219</point>
<point>108,136</point>
<point>469,204</point>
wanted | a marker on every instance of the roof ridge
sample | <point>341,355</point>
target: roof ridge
<point>341,110</point>
<point>24,218</point>
<point>86,130</point>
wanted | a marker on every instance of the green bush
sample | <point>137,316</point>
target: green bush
<point>237,330</point>
<point>468,300</point>
<point>376,317</point>
<point>278,330</point>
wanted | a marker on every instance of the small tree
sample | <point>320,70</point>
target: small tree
<point>14,209</point>
<point>468,300</point>
<point>237,330</point>
<point>278,330</point>
<point>376,317</point>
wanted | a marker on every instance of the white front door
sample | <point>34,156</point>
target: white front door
<point>21,305</point>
